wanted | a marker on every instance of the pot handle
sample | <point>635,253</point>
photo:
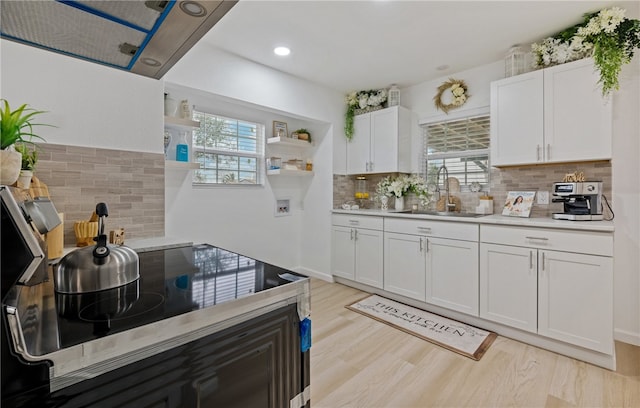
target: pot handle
<point>101,251</point>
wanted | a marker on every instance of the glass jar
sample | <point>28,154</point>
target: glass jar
<point>362,192</point>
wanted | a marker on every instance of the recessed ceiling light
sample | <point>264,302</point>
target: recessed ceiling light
<point>193,8</point>
<point>282,51</point>
<point>150,61</point>
<point>442,67</point>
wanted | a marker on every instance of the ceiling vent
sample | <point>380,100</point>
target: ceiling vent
<point>143,37</point>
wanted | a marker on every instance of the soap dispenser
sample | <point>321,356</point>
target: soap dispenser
<point>182,148</point>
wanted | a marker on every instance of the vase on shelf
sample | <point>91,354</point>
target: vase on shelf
<point>399,203</point>
<point>24,179</point>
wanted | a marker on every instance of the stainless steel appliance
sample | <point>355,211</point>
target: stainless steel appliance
<point>582,201</point>
<point>143,37</point>
<point>200,327</point>
<point>100,267</point>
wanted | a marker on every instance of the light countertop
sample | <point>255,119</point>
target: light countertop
<point>493,219</point>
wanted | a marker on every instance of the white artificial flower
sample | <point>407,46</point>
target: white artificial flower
<point>362,101</point>
<point>457,91</point>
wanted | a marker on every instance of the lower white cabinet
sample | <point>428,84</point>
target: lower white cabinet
<point>509,286</point>
<point>452,274</point>
<point>404,265</point>
<point>543,289</point>
<point>440,271</point>
<point>575,299</point>
<point>357,251</point>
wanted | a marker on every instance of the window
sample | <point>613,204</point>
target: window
<point>230,151</point>
<point>462,146</point>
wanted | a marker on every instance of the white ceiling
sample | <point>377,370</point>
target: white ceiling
<point>354,45</point>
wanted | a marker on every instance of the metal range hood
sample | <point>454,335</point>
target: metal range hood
<point>143,37</point>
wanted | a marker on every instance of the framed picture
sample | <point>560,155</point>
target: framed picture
<point>280,129</point>
<point>518,203</point>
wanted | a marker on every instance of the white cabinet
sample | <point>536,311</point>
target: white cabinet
<point>575,301</point>
<point>357,249</point>
<point>509,285</point>
<point>381,142</point>
<point>433,261</point>
<point>551,115</point>
<point>405,265</point>
<point>533,280</point>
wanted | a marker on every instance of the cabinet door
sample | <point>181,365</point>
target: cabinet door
<point>343,253</point>
<point>452,274</point>
<point>404,265</point>
<point>369,257</point>
<point>517,120</point>
<point>508,285</point>
<point>358,149</point>
<point>384,140</point>
<point>578,121</point>
<point>576,299</point>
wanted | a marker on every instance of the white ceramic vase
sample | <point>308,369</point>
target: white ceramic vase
<point>384,203</point>
<point>24,179</point>
<point>399,203</point>
<point>10,163</point>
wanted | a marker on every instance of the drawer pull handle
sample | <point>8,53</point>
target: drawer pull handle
<point>425,229</point>
<point>537,238</point>
<point>354,222</point>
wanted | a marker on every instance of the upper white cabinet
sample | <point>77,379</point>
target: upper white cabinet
<point>381,142</point>
<point>551,115</point>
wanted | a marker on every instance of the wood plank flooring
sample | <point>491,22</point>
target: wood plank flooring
<point>358,362</point>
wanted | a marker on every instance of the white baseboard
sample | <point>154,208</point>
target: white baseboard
<point>627,337</point>
<point>314,274</point>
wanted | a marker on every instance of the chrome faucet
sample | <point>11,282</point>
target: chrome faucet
<point>448,206</point>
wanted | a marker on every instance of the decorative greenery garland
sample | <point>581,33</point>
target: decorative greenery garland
<point>458,93</point>
<point>361,100</point>
<point>607,36</point>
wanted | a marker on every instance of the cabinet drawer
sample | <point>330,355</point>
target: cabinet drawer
<point>442,229</point>
<point>357,221</point>
<point>587,242</point>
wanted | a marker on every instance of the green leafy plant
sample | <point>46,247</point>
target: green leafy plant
<point>607,36</point>
<point>16,126</point>
<point>303,130</point>
<point>361,100</point>
<point>29,155</point>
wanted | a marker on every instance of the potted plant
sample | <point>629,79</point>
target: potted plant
<point>29,160</point>
<point>303,134</point>
<point>15,127</point>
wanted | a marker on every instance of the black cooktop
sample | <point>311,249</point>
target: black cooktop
<point>172,282</point>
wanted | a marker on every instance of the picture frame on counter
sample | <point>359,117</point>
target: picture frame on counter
<point>280,129</point>
<point>518,203</point>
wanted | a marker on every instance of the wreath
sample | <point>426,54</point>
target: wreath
<point>458,91</point>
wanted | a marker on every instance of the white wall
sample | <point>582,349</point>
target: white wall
<point>90,105</point>
<point>242,219</point>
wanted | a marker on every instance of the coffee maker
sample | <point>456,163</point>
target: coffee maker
<point>582,200</point>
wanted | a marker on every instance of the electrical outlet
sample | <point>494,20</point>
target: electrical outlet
<point>543,197</point>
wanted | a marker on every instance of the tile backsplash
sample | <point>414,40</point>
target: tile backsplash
<point>130,183</point>
<point>503,180</point>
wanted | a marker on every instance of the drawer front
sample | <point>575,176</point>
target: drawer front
<point>357,221</point>
<point>586,242</point>
<point>429,228</point>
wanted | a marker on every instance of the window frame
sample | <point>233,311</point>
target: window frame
<point>259,156</point>
<point>459,154</point>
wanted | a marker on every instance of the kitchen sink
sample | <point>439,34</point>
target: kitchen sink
<point>445,214</point>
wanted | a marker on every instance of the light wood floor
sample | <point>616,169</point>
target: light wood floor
<point>358,362</point>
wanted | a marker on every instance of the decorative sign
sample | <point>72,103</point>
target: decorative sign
<point>518,203</point>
